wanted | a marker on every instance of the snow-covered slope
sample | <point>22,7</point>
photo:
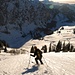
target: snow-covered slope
<point>54,64</point>
<point>61,63</point>
<point>17,19</point>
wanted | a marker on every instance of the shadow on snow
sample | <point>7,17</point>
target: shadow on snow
<point>33,69</point>
<point>20,41</point>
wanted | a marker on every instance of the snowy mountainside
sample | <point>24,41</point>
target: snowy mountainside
<point>60,8</point>
<point>23,12</point>
<point>19,17</point>
<point>63,14</point>
<point>66,34</point>
<point>15,39</point>
<point>60,63</point>
<point>69,11</point>
<point>14,29</point>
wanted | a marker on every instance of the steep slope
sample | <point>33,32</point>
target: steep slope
<point>22,12</point>
<point>54,63</point>
<point>68,10</point>
<point>19,17</point>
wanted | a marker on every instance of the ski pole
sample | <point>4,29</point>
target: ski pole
<point>29,62</point>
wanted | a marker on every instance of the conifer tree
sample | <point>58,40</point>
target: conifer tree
<point>63,47</point>
<point>72,47</point>
<point>5,50</point>
<point>58,47</point>
<point>45,49</point>
<point>68,46</point>
<point>50,47</point>
<point>32,50</point>
<point>73,31</point>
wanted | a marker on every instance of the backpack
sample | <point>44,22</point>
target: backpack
<point>39,54</point>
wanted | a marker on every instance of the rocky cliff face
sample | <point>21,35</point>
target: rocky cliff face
<point>20,12</point>
<point>23,13</point>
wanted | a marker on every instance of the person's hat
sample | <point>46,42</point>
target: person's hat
<point>35,47</point>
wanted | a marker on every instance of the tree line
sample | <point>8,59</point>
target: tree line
<point>56,48</point>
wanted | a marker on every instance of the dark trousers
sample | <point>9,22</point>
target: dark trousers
<point>36,59</point>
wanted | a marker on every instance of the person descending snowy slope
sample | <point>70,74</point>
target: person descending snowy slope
<point>38,55</point>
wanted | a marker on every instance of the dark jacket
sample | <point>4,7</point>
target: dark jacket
<point>38,54</point>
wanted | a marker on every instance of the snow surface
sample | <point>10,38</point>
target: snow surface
<point>61,63</point>
<point>54,64</point>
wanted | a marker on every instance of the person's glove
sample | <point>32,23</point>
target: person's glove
<point>31,55</point>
